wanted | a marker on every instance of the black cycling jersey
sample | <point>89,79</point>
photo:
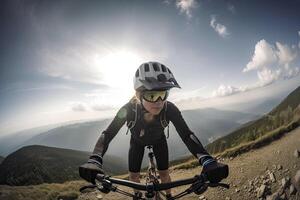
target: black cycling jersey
<point>152,133</point>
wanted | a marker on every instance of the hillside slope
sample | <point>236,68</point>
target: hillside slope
<point>40,164</point>
<point>247,172</point>
<point>286,113</point>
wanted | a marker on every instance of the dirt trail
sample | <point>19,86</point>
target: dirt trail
<point>247,167</point>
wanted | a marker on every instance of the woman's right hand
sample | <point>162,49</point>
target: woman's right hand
<point>89,170</point>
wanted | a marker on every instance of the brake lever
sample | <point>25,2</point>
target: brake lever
<point>105,186</point>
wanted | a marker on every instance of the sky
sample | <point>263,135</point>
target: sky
<point>75,60</point>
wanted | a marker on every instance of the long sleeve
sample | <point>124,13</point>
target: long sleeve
<point>111,131</point>
<point>188,137</point>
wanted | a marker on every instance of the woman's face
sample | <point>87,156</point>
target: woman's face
<point>153,108</point>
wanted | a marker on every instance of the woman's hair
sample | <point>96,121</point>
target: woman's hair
<point>135,99</point>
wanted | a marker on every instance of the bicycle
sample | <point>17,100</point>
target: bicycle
<point>153,189</point>
<point>152,173</point>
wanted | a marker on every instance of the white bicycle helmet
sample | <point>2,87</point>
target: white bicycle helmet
<point>154,76</point>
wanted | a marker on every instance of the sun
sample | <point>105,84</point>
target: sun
<point>118,68</point>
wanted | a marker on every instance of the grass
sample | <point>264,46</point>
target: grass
<point>245,147</point>
<point>262,141</point>
<point>65,191</point>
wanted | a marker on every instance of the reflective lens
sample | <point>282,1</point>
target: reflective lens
<point>154,96</point>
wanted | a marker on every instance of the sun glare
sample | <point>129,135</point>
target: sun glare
<point>118,69</point>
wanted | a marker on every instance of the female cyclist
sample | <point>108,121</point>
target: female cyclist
<point>147,114</point>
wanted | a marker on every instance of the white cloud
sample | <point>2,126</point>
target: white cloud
<point>273,62</point>
<point>268,76</point>
<point>268,56</point>
<point>291,73</point>
<point>219,28</point>
<point>101,107</point>
<point>78,106</point>
<point>264,55</point>
<point>84,107</point>
<point>285,54</point>
<point>226,90</point>
<point>186,6</point>
<point>84,63</point>
<point>71,63</point>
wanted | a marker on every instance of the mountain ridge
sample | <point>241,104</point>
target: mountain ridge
<point>38,164</point>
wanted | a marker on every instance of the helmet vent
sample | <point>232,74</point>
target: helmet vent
<point>162,78</point>
<point>169,71</point>
<point>146,67</point>
<point>155,67</point>
<point>137,73</point>
<point>163,68</point>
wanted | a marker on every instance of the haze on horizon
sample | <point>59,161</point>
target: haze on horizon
<point>74,60</point>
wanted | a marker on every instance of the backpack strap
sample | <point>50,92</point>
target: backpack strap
<point>132,119</point>
<point>163,120</point>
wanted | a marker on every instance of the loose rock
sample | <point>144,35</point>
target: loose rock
<point>297,180</point>
<point>261,191</point>
<point>278,152</point>
<point>285,182</point>
<point>274,196</point>
<point>202,197</point>
<point>283,196</point>
<point>279,167</point>
<point>297,153</point>
<point>272,177</point>
<point>292,190</point>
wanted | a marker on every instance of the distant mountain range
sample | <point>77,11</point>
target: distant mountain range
<point>287,112</point>
<point>39,164</point>
<point>1,159</point>
<point>8,143</point>
<point>208,124</point>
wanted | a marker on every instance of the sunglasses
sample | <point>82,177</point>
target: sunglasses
<point>154,96</point>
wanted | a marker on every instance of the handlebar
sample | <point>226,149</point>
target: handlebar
<point>198,185</point>
<point>200,179</point>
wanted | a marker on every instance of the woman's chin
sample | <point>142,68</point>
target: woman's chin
<point>155,111</point>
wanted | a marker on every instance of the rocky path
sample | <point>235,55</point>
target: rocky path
<point>265,173</point>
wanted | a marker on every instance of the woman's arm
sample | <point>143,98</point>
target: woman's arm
<point>111,131</point>
<point>188,137</point>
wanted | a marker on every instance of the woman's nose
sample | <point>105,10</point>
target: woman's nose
<point>159,102</point>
